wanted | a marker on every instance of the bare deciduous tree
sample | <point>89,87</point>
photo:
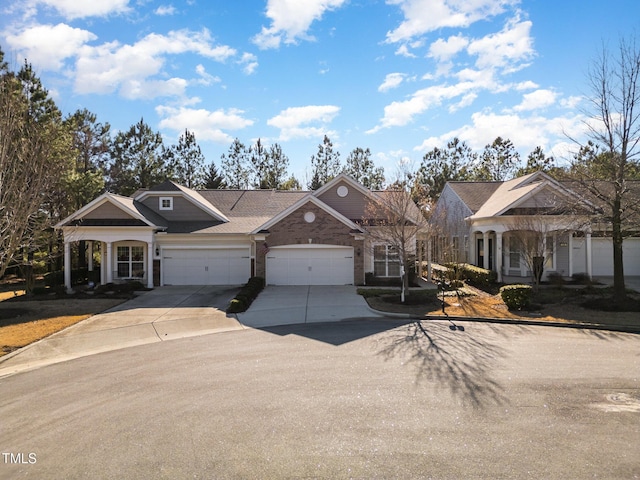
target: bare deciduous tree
<point>614,126</point>
<point>392,218</point>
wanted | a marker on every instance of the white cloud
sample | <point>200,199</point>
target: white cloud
<point>571,102</point>
<point>72,9</point>
<point>164,10</point>
<point>443,50</point>
<point>205,77</point>
<point>147,89</point>
<point>505,49</point>
<point>111,66</point>
<point>249,62</point>
<point>401,113</point>
<point>423,16</point>
<point>205,124</point>
<point>290,20</point>
<point>294,122</point>
<point>392,80</point>
<point>526,132</point>
<point>47,46</point>
<point>535,100</point>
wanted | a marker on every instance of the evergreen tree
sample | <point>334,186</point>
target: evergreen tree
<point>362,169</point>
<point>537,161</point>
<point>137,160</point>
<point>276,171</point>
<point>498,161</point>
<point>440,166</point>
<point>212,178</point>
<point>325,165</point>
<point>236,166</point>
<point>187,161</point>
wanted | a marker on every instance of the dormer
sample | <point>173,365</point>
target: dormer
<point>178,203</point>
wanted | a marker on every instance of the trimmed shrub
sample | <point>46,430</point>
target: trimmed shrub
<point>246,295</point>
<point>516,297</point>
<point>478,277</point>
<point>237,306</point>
<point>555,278</point>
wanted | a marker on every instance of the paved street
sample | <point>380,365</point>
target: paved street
<point>355,399</point>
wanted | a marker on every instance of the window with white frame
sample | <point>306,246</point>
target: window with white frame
<point>166,203</point>
<point>130,261</point>
<point>514,252</point>
<point>549,253</point>
<point>386,261</point>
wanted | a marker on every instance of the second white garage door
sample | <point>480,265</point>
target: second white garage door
<point>310,265</point>
<point>223,266</point>
<point>602,252</point>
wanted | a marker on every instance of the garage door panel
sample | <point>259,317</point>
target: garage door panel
<point>602,254</point>
<point>310,266</point>
<point>206,266</point>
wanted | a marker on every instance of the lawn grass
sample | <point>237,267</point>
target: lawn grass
<point>558,305</point>
<point>24,320</point>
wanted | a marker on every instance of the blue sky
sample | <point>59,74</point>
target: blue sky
<point>396,76</point>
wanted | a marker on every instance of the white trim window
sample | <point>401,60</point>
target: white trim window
<point>386,261</point>
<point>514,253</point>
<point>130,261</point>
<point>165,203</point>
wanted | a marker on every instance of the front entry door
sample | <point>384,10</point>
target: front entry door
<point>488,264</point>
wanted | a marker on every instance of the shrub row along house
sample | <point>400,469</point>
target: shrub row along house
<point>534,221</point>
<point>173,235</point>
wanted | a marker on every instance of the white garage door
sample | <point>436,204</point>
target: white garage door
<point>224,266</point>
<point>310,265</point>
<point>602,254</point>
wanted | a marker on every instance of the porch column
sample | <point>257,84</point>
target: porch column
<point>429,259</point>
<point>499,255</point>
<point>109,264</point>
<point>485,250</point>
<point>67,265</point>
<point>570,245</point>
<point>588,242</point>
<point>149,264</point>
<point>103,263</point>
<point>90,256</point>
<point>472,248</point>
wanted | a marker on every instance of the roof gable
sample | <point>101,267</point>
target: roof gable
<point>536,190</point>
<point>108,207</point>
<point>309,198</point>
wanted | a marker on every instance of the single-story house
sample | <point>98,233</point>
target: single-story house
<point>173,235</point>
<point>484,223</point>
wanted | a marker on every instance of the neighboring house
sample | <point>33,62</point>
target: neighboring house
<point>482,223</point>
<point>173,235</point>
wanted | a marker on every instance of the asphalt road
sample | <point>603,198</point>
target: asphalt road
<point>360,399</point>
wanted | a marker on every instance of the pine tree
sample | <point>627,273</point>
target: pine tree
<point>325,165</point>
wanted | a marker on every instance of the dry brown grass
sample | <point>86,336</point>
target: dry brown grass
<point>492,306</point>
<point>24,322</point>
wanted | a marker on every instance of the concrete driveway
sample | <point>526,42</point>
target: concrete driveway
<point>286,305</point>
<point>164,313</point>
<point>167,313</point>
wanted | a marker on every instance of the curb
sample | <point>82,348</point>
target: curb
<point>517,321</point>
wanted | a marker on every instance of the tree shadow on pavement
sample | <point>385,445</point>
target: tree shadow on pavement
<point>453,359</point>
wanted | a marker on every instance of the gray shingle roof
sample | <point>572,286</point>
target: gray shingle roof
<point>245,209</point>
<point>474,194</point>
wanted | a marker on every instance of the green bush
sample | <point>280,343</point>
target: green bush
<point>478,277</point>
<point>237,306</point>
<point>516,297</point>
<point>246,295</point>
<point>555,278</point>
